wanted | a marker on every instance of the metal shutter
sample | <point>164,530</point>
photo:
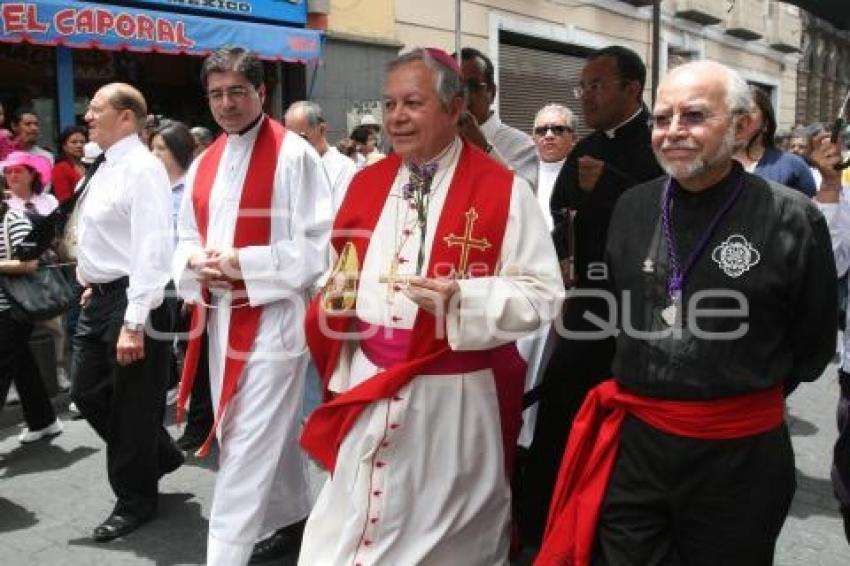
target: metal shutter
<point>531,78</point>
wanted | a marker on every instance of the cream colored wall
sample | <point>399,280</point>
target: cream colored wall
<point>366,18</point>
<point>432,23</point>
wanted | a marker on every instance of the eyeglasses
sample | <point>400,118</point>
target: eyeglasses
<point>594,87</point>
<point>687,119</point>
<point>475,86</point>
<point>234,93</point>
<point>556,129</point>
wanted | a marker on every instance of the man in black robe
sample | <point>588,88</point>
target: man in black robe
<point>726,288</point>
<point>600,168</point>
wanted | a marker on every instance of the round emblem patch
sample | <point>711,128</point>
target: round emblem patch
<point>735,256</point>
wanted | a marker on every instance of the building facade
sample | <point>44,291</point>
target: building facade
<point>539,46</point>
<point>823,73</point>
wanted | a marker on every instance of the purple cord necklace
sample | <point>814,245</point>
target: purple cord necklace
<point>676,276</point>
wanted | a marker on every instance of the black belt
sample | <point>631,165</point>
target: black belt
<point>105,288</point>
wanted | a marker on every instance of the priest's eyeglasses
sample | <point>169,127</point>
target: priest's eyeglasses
<point>594,87</point>
<point>556,129</point>
<point>687,119</point>
<point>475,86</point>
<point>235,93</point>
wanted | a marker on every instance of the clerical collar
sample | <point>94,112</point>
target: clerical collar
<point>250,126</point>
<point>612,133</point>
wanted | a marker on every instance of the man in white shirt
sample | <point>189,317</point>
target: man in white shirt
<point>554,137</point>
<point>252,240</point>
<point>482,126</point>
<point>120,360</point>
<point>305,118</point>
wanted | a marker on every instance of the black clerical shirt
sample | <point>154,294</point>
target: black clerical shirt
<point>629,161</point>
<point>772,249</point>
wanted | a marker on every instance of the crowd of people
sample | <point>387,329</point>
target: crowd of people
<point>491,341</point>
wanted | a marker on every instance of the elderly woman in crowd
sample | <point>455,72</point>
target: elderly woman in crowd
<point>25,175</point>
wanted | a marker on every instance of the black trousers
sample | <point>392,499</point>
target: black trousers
<point>680,501</point>
<point>18,365</point>
<point>125,404</point>
<point>200,416</point>
<point>841,453</point>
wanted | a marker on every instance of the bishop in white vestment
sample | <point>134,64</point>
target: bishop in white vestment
<point>422,475</point>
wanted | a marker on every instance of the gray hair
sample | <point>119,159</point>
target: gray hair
<point>203,134</point>
<point>312,111</point>
<point>565,113</point>
<point>739,98</point>
<point>447,82</point>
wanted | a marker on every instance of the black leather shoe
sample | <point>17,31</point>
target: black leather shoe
<point>280,543</point>
<point>117,525</point>
<point>175,460</point>
<point>845,514</point>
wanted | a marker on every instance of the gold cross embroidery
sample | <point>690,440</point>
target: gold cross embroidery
<point>467,242</point>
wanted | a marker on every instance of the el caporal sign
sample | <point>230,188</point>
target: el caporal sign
<point>77,24</point>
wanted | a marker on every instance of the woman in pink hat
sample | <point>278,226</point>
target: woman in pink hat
<point>26,177</point>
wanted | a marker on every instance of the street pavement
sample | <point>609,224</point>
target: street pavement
<point>53,493</point>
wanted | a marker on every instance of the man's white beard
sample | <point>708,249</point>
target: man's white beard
<point>684,171</point>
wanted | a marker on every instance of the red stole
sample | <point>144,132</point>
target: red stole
<point>592,449</point>
<point>252,229</point>
<point>478,183</point>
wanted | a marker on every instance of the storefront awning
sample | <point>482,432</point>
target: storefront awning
<point>88,25</point>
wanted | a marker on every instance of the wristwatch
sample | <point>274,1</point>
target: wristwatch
<point>133,327</point>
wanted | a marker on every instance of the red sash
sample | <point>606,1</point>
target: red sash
<point>478,183</point>
<point>253,228</point>
<point>592,450</point>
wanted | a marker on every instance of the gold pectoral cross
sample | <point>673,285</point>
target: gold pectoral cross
<point>467,242</point>
<point>391,278</point>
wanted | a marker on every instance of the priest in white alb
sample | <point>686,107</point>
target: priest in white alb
<point>442,260</point>
<point>253,234</point>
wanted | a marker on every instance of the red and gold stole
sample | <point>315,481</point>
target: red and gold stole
<point>481,188</point>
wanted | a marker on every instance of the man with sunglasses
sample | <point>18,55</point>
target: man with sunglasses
<point>602,166</point>
<point>727,296</point>
<point>554,136</point>
<point>480,124</point>
<point>253,231</point>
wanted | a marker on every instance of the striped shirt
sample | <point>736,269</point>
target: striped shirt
<point>19,227</point>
